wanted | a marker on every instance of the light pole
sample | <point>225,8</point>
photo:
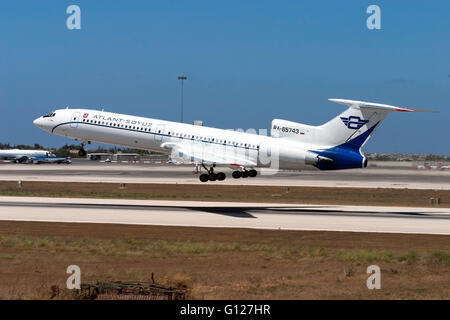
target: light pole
<point>182,78</point>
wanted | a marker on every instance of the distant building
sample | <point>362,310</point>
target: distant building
<point>126,157</point>
<point>99,156</point>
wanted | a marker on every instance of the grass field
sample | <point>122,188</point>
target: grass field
<point>276,194</point>
<point>223,263</point>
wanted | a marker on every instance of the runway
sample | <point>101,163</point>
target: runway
<point>228,215</point>
<point>90,171</point>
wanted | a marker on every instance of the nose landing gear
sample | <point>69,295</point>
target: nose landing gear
<point>82,152</point>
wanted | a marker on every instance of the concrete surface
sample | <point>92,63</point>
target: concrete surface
<point>232,215</point>
<point>89,171</point>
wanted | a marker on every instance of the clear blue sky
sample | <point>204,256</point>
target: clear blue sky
<point>247,63</point>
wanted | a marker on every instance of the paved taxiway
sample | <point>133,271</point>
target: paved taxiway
<point>232,215</point>
<point>89,171</point>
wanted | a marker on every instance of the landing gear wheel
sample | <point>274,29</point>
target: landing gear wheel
<point>236,174</point>
<point>244,174</point>
<point>82,152</point>
<point>221,176</point>
<point>210,175</point>
<point>252,173</point>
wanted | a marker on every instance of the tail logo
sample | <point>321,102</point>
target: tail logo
<point>354,122</point>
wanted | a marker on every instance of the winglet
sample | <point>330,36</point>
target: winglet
<point>370,105</point>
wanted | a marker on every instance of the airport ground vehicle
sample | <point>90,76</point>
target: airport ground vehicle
<point>21,156</point>
<point>58,160</point>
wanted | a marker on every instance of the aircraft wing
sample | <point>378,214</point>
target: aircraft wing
<point>197,153</point>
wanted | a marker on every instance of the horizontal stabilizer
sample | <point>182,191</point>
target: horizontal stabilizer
<point>370,105</point>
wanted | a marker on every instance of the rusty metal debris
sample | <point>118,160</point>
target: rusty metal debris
<point>129,291</point>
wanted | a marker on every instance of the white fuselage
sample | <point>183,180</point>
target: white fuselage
<point>153,134</point>
<point>16,154</point>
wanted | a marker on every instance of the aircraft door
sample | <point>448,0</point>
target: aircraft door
<point>74,120</point>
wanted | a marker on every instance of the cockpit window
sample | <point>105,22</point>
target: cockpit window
<point>49,115</point>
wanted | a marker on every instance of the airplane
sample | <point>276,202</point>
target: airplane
<point>58,160</point>
<point>334,145</point>
<point>21,156</point>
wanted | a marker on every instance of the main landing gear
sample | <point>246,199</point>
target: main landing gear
<point>211,175</point>
<point>244,173</point>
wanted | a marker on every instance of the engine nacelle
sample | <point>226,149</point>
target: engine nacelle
<point>285,156</point>
<point>314,159</point>
<point>341,158</point>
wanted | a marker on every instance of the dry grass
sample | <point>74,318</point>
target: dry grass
<point>275,194</point>
<point>223,263</point>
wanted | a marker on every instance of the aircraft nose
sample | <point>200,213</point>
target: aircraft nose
<point>39,123</point>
